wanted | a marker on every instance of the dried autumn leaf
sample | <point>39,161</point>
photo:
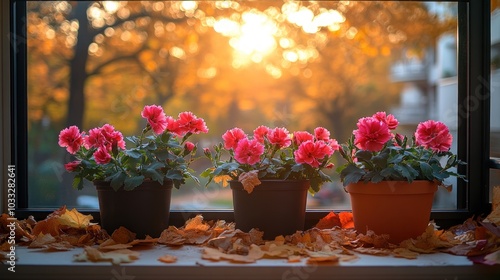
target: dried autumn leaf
<point>373,251</point>
<point>41,240</point>
<point>75,219</point>
<point>249,180</point>
<point>323,259</point>
<point>224,179</point>
<point>147,241</point>
<point>50,243</point>
<point>329,221</point>
<point>50,226</point>
<point>404,253</point>
<point>294,259</point>
<point>346,219</point>
<point>123,235</point>
<point>22,227</point>
<point>172,236</point>
<point>116,257</point>
<point>167,259</point>
<point>196,223</point>
<point>213,254</point>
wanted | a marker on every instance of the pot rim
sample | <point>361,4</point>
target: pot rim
<point>102,185</point>
<point>393,187</point>
<point>274,185</point>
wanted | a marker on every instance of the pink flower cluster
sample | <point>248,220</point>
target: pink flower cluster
<point>187,122</point>
<point>373,132</point>
<point>104,138</point>
<point>308,148</point>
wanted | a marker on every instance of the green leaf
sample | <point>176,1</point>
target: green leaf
<point>131,183</point>
<point>153,174</point>
<point>390,173</point>
<point>380,160</point>
<point>174,175</point>
<point>116,180</point>
<point>77,183</point>
<point>406,171</point>
<point>351,174</point>
<point>396,159</point>
<point>426,170</point>
<point>297,167</point>
<point>364,155</point>
<point>133,153</point>
<point>162,154</point>
<point>133,139</point>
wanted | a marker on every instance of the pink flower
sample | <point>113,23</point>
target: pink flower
<point>156,118</point>
<point>371,134</point>
<point>260,133</point>
<point>390,120</point>
<point>72,166</point>
<point>173,126</point>
<point>95,139</point>
<point>189,146</point>
<point>71,138</point>
<point>280,137</point>
<point>334,144</point>
<point>321,133</point>
<point>232,137</point>
<point>105,136</point>
<point>312,153</point>
<point>188,122</point>
<point>112,136</point>
<point>434,135</point>
<point>102,156</point>
<point>301,136</point>
<point>248,151</point>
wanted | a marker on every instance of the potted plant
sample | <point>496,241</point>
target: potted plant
<point>134,183</point>
<point>392,180</point>
<point>270,173</point>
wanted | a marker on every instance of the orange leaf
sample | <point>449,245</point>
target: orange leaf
<point>346,219</point>
<point>75,219</point>
<point>329,221</point>
<point>122,235</point>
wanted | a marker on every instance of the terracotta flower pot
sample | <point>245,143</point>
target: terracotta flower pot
<point>144,210</point>
<point>397,208</point>
<point>276,207</point>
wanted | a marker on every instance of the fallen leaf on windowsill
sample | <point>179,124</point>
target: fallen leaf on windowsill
<point>168,259</point>
<point>115,257</point>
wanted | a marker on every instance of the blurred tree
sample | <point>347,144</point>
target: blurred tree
<point>298,64</point>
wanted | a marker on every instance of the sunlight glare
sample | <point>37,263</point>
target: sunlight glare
<point>256,34</point>
<point>111,6</point>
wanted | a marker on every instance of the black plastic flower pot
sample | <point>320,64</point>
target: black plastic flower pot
<point>144,210</point>
<point>276,207</point>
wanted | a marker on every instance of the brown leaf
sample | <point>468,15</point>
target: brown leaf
<point>167,259</point>
<point>123,235</point>
<point>329,221</point>
<point>116,256</point>
<point>404,253</point>
<point>249,180</point>
<point>75,219</point>
<point>196,223</point>
<point>213,254</point>
<point>41,240</point>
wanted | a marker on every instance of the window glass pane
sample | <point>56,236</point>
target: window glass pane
<point>294,64</point>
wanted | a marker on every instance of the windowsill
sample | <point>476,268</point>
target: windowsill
<point>35,264</point>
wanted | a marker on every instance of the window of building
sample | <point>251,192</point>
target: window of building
<point>294,64</point>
